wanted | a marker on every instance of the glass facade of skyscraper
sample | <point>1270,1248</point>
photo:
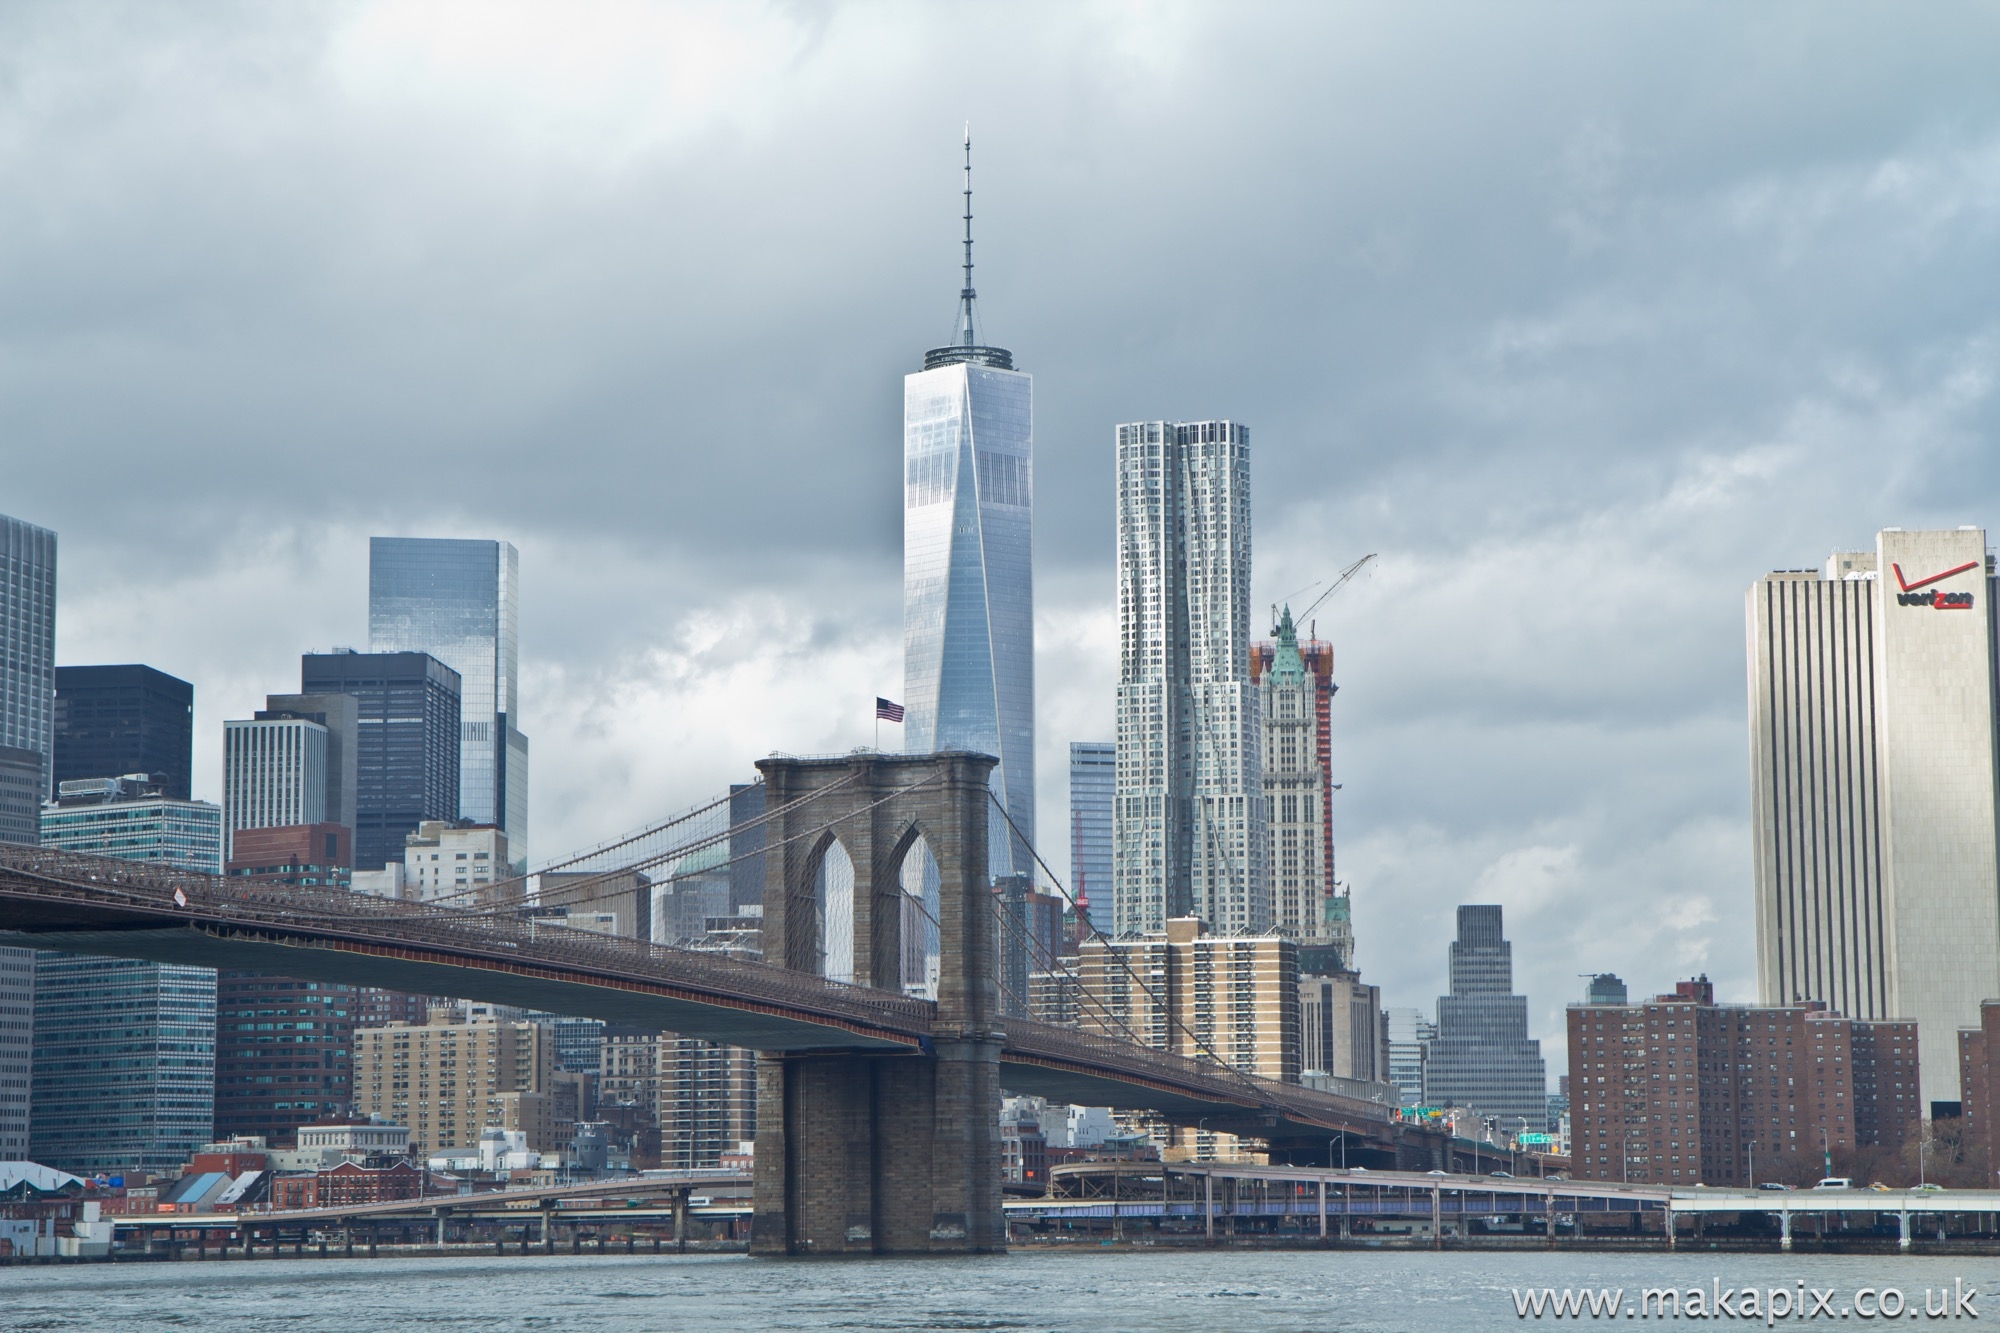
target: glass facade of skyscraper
<point>28,640</point>
<point>459,601</point>
<point>1093,781</point>
<point>968,586</point>
<point>17,1049</point>
<point>124,1066</point>
<point>109,818</point>
<point>114,720</point>
<point>124,1063</point>
<point>406,752</point>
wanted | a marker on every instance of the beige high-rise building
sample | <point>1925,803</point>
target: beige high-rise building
<point>1230,998</point>
<point>1872,760</point>
<point>439,1078</point>
<point>1340,1028</point>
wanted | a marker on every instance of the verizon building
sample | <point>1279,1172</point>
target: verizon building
<point>1872,757</point>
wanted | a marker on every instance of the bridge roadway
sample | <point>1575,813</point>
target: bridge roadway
<point>1152,1191</point>
<point>100,905</point>
<point>488,1204</point>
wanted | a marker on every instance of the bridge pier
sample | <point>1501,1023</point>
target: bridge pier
<point>883,1152</point>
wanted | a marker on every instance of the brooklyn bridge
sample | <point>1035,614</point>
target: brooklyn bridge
<point>878,1091</point>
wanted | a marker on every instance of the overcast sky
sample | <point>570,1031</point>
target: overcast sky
<point>1581,316</point>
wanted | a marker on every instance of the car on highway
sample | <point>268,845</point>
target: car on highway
<point>1773,1185</point>
<point>1835,1183</point>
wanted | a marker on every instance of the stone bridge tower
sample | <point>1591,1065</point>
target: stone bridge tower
<point>867,1153</point>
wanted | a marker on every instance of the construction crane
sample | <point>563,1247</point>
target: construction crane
<point>1338,584</point>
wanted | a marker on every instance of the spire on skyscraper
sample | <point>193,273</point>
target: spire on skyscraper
<point>965,344</point>
<point>967,295</point>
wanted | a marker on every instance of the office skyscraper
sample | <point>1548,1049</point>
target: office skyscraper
<point>115,720</point>
<point>134,820</point>
<point>1191,832</point>
<point>1295,693</point>
<point>968,546</point>
<point>21,795</point>
<point>407,757</point>
<point>17,1050</point>
<point>284,1053</point>
<point>124,1066</point>
<point>1482,1056</point>
<point>1872,756</point>
<point>341,717</point>
<point>1093,781</point>
<point>460,601</point>
<point>28,641</point>
<point>273,773</point>
<point>1410,1037</point>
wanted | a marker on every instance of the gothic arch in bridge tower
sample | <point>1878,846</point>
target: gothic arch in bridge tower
<point>825,899</point>
<point>916,875</point>
<point>858,1154</point>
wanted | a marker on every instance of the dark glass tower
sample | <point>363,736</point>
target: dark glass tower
<point>460,601</point>
<point>407,746</point>
<point>114,720</point>
<point>1482,1056</point>
<point>283,1053</point>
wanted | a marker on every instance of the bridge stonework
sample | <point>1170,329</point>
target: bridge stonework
<point>867,1152</point>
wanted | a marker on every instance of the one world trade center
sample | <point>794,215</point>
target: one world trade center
<point>968,586</point>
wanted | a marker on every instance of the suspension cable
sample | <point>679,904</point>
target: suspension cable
<point>1112,950</point>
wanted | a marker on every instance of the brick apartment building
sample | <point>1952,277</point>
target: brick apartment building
<point>1679,1090</point>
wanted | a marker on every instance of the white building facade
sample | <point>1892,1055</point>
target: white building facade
<point>273,773</point>
<point>1873,755</point>
<point>458,862</point>
<point>1190,826</point>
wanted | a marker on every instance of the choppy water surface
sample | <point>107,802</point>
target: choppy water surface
<point>1081,1292</point>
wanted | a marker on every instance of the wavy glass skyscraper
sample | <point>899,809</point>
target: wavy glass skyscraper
<point>1190,827</point>
<point>968,547</point>
<point>460,602</point>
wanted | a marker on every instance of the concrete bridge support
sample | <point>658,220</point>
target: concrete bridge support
<point>872,1153</point>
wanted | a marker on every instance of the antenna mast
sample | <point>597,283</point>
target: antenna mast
<point>965,296</point>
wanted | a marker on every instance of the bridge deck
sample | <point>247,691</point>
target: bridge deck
<point>100,905</point>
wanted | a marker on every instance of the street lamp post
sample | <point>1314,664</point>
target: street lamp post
<point>1826,1151</point>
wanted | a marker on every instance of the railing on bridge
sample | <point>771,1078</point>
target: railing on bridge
<point>210,902</point>
<point>508,933</point>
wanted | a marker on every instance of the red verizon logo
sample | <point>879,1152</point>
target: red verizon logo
<point>1937,601</point>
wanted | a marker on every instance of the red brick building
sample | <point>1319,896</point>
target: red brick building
<point>351,1183</point>
<point>1678,1089</point>
<point>1977,1103</point>
<point>299,856</point>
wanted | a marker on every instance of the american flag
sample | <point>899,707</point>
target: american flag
<point>887,711</point>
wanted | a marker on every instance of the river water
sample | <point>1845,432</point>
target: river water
<point>1086,1291</point>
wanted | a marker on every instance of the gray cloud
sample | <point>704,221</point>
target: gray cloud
<point>1582,318</point>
